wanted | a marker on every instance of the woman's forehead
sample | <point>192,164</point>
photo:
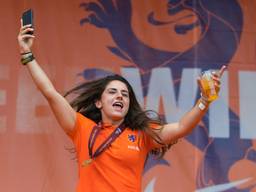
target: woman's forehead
<point>117,85</point>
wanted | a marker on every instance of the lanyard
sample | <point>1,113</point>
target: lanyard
<point>111,138</point>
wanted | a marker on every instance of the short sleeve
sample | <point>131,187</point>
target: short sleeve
<point>75,134</point>
<point>80,134</point>
<point>150,142</point>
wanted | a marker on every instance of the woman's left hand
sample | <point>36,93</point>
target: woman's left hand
<point>216,77</point>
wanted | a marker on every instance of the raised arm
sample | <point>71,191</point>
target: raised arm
<point>173,131</point>
<point>64,113</point>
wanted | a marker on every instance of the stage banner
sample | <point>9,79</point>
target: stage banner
<point>160,46</point>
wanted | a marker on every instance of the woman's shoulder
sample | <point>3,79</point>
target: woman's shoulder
<point>83,119</point>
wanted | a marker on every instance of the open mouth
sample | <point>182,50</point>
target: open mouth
<point>118,105</point>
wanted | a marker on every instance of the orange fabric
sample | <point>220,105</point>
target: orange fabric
<point>119,167</point>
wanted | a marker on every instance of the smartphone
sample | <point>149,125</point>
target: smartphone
<point>27,18</point>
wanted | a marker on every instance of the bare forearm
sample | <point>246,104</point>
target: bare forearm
<point>40,78</point>
<point>173,131</point>
<point>190,120</point>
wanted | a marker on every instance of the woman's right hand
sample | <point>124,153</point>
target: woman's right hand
<point>25,40</point>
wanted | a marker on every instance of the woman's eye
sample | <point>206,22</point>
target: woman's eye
<point>125,94</point>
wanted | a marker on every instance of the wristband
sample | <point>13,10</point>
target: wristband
<point>201,106</point>
<point>202,103</point>
<point>27,59</point>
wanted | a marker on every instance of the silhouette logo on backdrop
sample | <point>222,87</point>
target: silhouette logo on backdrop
<point>202,34</point>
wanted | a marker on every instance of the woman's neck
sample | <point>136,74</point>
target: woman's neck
<point>112,122</point>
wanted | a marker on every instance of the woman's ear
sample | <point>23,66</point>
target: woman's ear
<point>98,104</point>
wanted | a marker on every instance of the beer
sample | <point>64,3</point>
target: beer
<point>207,84</point>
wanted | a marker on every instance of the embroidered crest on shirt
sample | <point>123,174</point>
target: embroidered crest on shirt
<point>132,138</point>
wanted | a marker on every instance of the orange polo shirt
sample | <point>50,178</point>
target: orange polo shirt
<point>119,167</point>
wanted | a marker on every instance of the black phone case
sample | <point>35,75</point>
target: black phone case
<point>27,18</point>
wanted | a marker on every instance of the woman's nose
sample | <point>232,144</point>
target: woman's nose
<point>119,95</point>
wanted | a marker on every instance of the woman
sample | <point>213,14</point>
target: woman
<point>111,133</point>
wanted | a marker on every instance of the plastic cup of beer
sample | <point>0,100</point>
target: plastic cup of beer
<point>207,84</point>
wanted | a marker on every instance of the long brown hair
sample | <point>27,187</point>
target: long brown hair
<point>136,118</point>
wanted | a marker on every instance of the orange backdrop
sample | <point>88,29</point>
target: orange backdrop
<point>160,46</point>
